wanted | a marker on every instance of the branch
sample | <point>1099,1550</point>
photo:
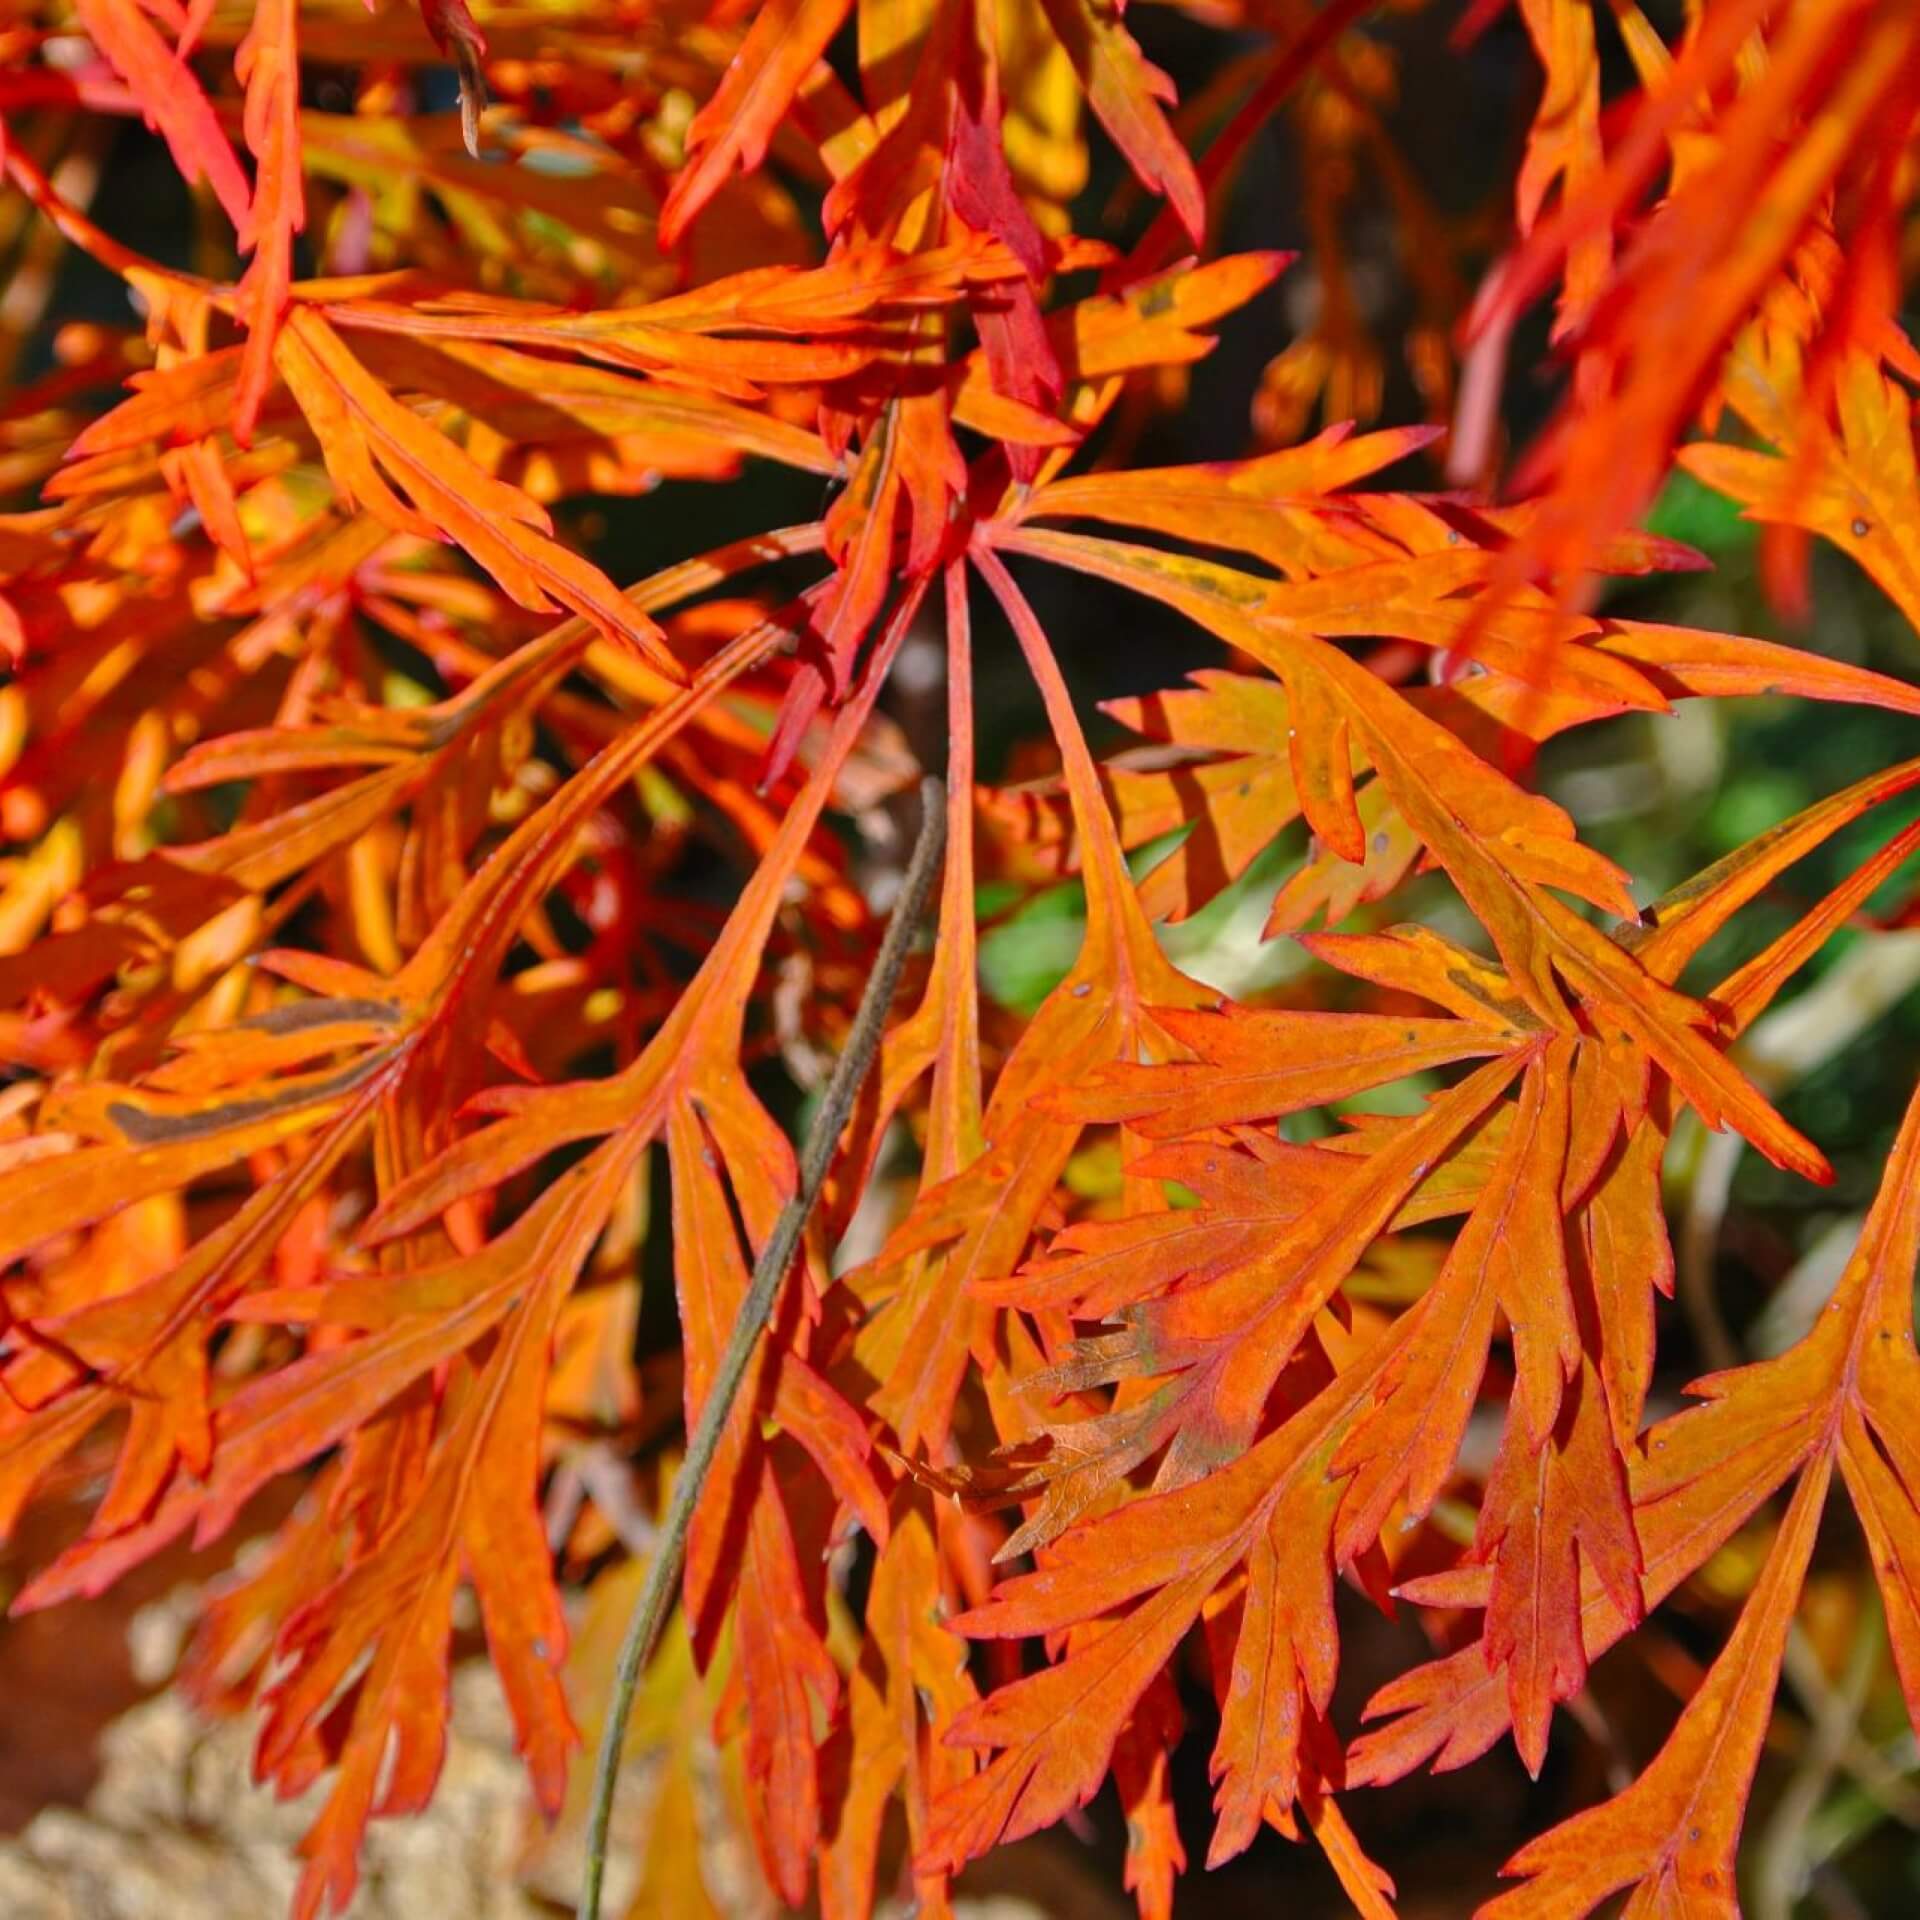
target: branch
<point>1782,1871</point>
<point>836,1108</point>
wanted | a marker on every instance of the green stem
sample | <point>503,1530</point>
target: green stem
<point>836,1108</point>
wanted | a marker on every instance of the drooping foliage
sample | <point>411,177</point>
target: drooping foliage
<point>413,929</point>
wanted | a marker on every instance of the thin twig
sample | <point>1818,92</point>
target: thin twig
<point>1292,63</point>
<point>1880,1775</point>
<point>1708,1197</point>
<point>1782,1868</point>
<point>836,1108</point>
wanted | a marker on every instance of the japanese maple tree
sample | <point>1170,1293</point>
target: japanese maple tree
<point>390,873</point>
